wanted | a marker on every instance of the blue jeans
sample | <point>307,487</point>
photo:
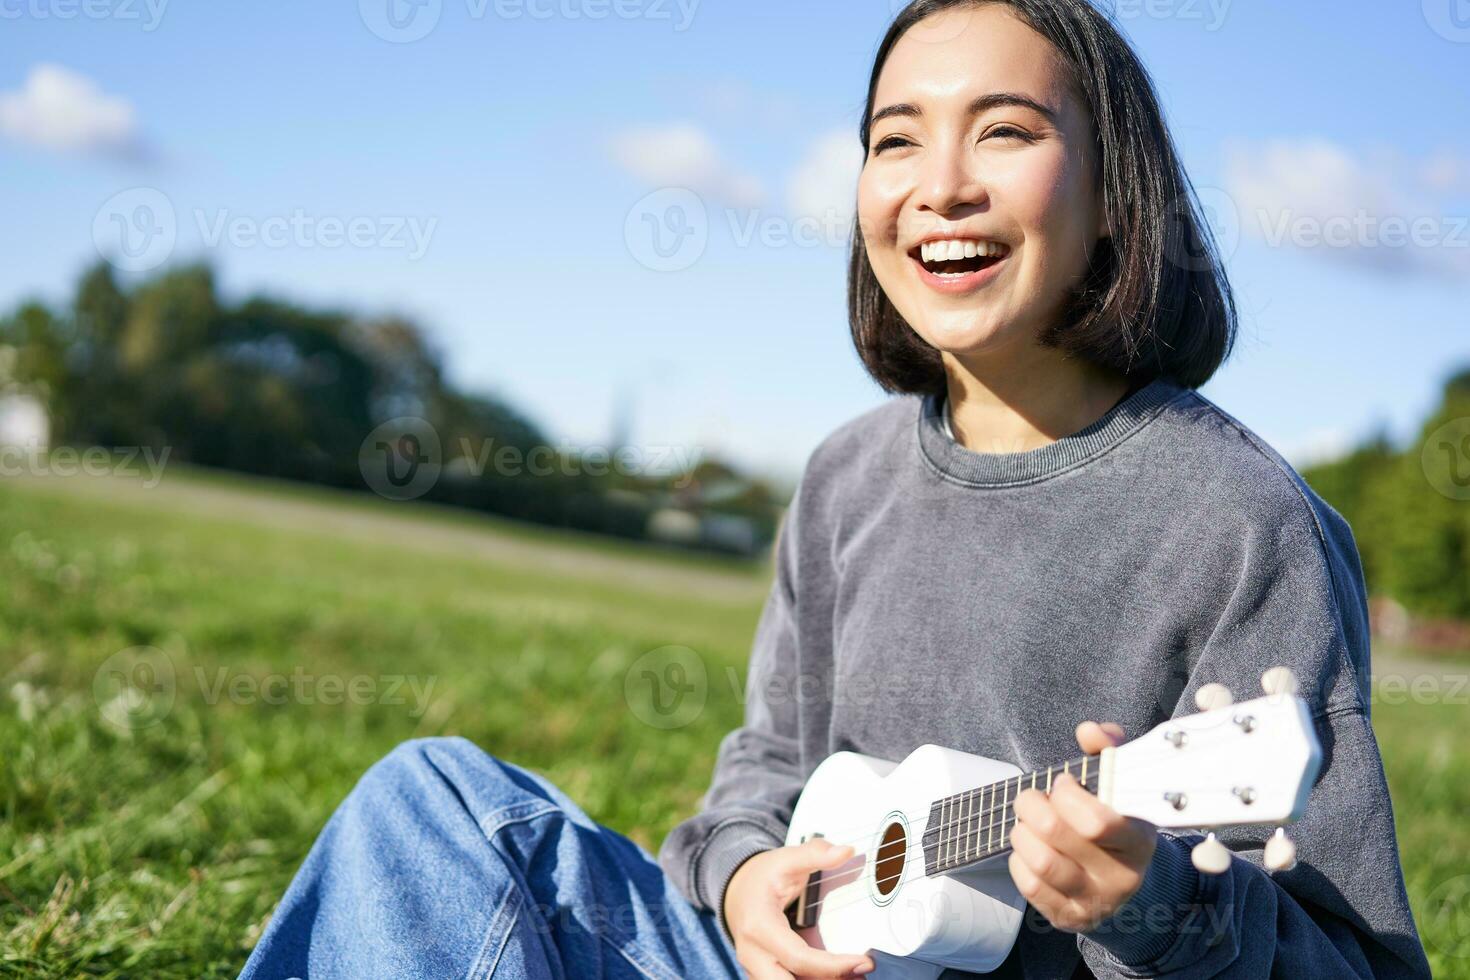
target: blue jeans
<point>444,862</point>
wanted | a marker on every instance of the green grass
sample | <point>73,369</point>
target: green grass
<point>152,838</point>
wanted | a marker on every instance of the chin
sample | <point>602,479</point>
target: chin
<point>974,335</point>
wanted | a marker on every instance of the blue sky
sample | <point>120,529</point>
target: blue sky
<point>520,141</point>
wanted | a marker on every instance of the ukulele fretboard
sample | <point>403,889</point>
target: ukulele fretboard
<point>976,824</point>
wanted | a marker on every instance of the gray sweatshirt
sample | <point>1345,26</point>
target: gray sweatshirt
<point>1001,599</point>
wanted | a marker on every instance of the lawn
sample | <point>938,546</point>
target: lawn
<point>191,677</point>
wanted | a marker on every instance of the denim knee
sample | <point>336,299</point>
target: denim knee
<point>481,781</point>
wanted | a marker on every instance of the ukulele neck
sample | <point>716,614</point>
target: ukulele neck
<point>974,825</point>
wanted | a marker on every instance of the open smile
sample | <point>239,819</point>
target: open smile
<point>959,265</point>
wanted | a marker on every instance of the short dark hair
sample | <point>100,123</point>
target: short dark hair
<point>1155,301</point>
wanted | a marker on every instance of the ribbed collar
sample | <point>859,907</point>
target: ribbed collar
<point>1011,469</point>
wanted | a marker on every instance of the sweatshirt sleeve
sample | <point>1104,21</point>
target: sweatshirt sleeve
<point>758,772</point>
<point>1298,600</point>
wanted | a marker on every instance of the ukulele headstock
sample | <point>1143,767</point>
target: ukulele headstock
<point>1231,764</point>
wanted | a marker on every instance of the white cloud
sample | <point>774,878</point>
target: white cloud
<point>683,155</point>
<point>60,110</point>
<point>824,184</point>
<point>1387,214</point>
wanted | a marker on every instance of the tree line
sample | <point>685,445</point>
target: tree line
<point>269,387</point>
<point>1409,507</point>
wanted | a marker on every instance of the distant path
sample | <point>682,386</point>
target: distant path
<point>423,527</point>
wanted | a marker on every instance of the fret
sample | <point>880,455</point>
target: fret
<point>1084,772</point>
<point>990,825</point>
<point>1005,801</point>
<point>946,844</point>
<point>966,809</point>
<point>971,845</point>
<point>1048,780</point>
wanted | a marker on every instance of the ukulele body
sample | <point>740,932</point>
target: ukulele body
<point>881,901</point>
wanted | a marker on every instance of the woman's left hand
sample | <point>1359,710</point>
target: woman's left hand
<point>1076,860</point>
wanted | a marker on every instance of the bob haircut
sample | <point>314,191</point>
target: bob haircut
<point>1155,300</point>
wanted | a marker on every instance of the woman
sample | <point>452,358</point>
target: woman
<point>1053,526</point>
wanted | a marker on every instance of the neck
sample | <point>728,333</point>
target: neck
<point>976,824</point>
<point>1025,398</point>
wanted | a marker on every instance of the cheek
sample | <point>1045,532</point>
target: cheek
<point>1052,205</point>
<point>880,200</point>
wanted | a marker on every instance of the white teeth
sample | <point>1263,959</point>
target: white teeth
<point>950,250</point>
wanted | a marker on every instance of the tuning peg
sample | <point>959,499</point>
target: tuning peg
<point>1212,696</point>
<point>1279,680</point>
<point>1210,856</point>
<point>1280,852</point>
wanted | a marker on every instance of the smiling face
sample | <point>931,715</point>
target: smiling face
<point>980,142</point>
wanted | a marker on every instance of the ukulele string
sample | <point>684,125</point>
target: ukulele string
<point>914,849</point>
<point>955,818</point>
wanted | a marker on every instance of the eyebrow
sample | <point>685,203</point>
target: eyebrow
<point>982,104</point>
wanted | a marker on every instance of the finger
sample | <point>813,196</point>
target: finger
<point>1047,863</point>
<point>1093,738</point>
<point>763,966</point>
<point>1061,911</point>
<point>1042,814</point>
<point>1091,820</point>
<point>816,855</point>
<point>793,953</point>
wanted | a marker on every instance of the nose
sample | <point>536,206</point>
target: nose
<point>949,181</point>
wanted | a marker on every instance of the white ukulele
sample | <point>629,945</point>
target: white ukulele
<point>927,887</point>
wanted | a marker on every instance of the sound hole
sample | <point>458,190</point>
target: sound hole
<point>890,858</point>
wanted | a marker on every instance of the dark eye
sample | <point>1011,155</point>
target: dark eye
<point>1010,132</point>
<point>888,143</point>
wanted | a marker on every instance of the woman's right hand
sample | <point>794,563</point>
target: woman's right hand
<point>755,911</point>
